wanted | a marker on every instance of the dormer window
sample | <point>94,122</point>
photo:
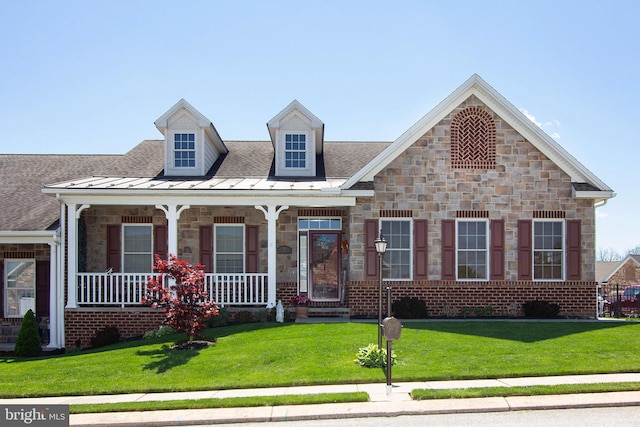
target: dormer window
<point>295,151</point>
<point>184,150</point>
<point>297,137</point>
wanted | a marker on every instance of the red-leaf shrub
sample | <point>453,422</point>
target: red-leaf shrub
<point>185,302</point>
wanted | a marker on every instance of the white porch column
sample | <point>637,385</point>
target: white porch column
<point>271,214</point>
<point>172,213</point>
<point>73,214</point>
<point>54,294</point>
<point>72,256</point>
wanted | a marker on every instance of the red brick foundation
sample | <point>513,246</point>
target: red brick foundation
<point>444,298</point>
<point>82,324</point>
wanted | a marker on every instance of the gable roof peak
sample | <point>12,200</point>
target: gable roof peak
<point>479,88</point>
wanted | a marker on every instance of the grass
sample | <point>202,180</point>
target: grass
<point>231,402</point>
<point>458,393</point>
<point>269,354</point>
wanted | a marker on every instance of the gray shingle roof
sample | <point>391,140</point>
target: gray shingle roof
<point>24,207</point>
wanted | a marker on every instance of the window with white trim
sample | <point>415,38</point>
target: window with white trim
<point>398,259</point>
<point>20,287</point>
<point>228,248</point>
<point>137,248</point>
<point>184,150</point>
<point>472,255</point>
<point>295,151</point>
<point>548,250</point>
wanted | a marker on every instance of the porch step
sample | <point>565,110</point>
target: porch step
<point>326,315</point>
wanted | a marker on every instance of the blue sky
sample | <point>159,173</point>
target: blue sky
<point>92,76</point>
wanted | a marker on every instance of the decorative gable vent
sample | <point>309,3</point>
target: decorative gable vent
<point>297,137</point>
<point>192,143</point>
<point>473,140</point>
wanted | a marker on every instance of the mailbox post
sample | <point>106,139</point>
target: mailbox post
<point>392,331</point>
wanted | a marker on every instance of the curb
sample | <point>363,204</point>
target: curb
<point>354,410</point>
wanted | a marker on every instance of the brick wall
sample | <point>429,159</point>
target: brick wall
<point>446,298</point>
<point>82,324</point>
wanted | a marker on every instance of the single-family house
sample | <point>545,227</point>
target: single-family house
<point>478,205</point>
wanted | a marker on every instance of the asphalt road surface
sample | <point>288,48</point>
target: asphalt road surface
<point>591,417</point>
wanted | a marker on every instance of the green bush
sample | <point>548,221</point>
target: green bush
<point>486,311</point>
<point>242,317</point>
<point>409,308</point>
<point>160,332</point>
<point>540,309</point>
<point>373,357</point>
<point>106,336</point>
<point>28,343</point>
<point>221,319</point>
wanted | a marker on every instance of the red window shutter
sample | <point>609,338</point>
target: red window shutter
<point>160,241</point>
<point>448,249</point>
<point>113,247</point>
<point>525,250</point>
<point>252,247</point>
<point>497,249</point>
<point>370,254</point>
<point>42,288</point>
<point>206,247</point>
<point>420,238</point>
<point>573,249</point>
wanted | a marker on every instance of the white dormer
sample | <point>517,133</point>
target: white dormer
<point>297,137</point>
<point>192,144</point>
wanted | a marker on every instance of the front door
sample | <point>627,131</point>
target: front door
<point>324,265</point>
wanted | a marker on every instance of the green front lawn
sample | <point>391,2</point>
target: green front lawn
<point>269,354</point>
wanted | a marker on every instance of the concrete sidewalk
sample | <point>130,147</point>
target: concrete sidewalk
<point>384,401</point>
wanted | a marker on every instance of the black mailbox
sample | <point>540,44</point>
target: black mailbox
<point>392,328</point>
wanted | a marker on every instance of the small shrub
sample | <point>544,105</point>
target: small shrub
<point>221,319</point>
<point>540,309</point>
<point>106,336</point>
<point>28,343</point>
<point>477,311</point>
<point>160,332</point>
<point>242,317</point>
<point>409,308</point>
<point>373,357</point>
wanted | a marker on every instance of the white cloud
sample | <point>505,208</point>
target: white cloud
<point>549,126</point>
<point>531,117</point>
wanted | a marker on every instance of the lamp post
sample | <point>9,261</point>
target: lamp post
<point>381,247</point>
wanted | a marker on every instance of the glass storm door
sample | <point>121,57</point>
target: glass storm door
<point>324,265</point>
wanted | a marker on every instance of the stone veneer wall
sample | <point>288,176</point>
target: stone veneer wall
<point>421,180</point>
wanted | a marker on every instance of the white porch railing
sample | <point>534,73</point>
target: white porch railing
<point>128,289</point>
<point>237,289</point>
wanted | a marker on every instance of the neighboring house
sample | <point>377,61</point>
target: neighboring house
<point>624,273</point>
<point>479,207</point>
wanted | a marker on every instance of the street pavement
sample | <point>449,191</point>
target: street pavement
<point>384,401</point>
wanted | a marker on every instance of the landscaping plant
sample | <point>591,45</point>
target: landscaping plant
<point>28,341</point>
<point>185,302</point>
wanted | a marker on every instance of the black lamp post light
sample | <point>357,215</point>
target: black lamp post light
<point>381,248</point>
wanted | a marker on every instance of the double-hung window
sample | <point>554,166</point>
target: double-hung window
<point>229,248</point>
<point>137,248</point>
<point>295,151</point>
<point>548,250</point>
<point>20,287</point>
<point>184,150</point>
<point>397,258</point>
<point>472,249</point>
